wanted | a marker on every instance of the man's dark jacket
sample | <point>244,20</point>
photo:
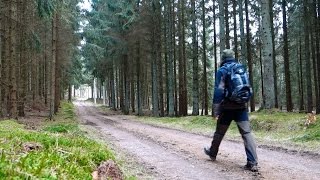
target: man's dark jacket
<point>220,101</point>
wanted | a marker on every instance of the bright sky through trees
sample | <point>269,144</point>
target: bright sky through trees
<point>86,4</point>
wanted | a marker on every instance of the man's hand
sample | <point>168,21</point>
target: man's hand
<point>216,111</point>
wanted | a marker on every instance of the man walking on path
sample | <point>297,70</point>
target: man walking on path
<point>231,92</point>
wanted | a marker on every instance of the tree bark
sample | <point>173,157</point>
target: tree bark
<point>242,36</point>
<point>180,68</point>
<point>235,35</point>
<point>112,86</point>
<point>182,84</point>
<point>126,85</point>
<point>275,76</point>
<point>170,62</point>
<point>226,18</point>
<point>23,61</point>
<point>267,54</point>
<point>58,64</point>
<point>2,53</point>
<point>301,84</point>
<point>161,91</point>
<point>13,61</point>
<point>307,55</point>
<point>215,39</point>
<point>173,41</point>
<point>222,25</point>
<point>53,66</point>
<point>184,64</point>
<point>317,32</point>
<point>249,56</point>
<point>204,56</point>
<point>214,46</point>
<point>139,89</point>
<point>313,56</point>
<point>286,58</point>
<point>195,88</point>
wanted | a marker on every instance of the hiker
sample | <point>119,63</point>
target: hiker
<point>229,103</point>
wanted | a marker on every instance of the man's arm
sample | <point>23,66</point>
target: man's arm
<point>219,92</point>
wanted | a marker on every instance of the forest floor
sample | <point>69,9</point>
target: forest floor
<point>156,152</point>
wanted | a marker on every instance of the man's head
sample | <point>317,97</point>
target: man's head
<point>227,53</point>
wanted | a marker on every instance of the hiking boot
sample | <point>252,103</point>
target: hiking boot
<point>251,167</point>
<point>208,152</point>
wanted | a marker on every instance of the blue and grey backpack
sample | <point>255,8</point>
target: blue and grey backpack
<point>238,85</point>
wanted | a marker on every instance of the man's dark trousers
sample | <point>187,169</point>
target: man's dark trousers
<point>242,120</point>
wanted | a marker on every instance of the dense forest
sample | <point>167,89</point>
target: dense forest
<point>39,57</point>
<point>158,55</point>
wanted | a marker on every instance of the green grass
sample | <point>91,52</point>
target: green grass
<point>64,121</point>
<point>286,127</point>
<point>269,127</point>
<point>64,153</point>
<point>60,156</point>
<point>196,124</point>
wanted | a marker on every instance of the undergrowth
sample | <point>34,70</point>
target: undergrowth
<point>62,151</point>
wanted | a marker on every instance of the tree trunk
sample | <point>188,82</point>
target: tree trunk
<point>234,6</point>
<point>94,90</point>
<point>58,65</point>
<point>215,39</point>
<point>139,90</point>
<point>204,56</point>
<point>69,93</point>
<point>46,74</point>
<point>222,25</point>
<point>13,60</point>
<point>170,63</point>
<point>53,66</point>
<point>242,37</point>
<point>195,88</point>
<point>315,52</point>
<point>263,102</point>
<point>23,62</point>
<point>180,52</point>
<point>317,33</point>
<point>112,86</point>
<point>267,54</point>
<point>307,56</point>
<point>126,85</point>
<point>249,56</point>
<point>132,94</point>
<point>2,47</point>
<point>314,64</point>
<point>117,87</point>
<point>156,32</point>
<point>214,46</point>
<point>301,90</point>
<point>182,84</point>
<point>275,76</point>
<point>6,60</point>
<point>184,64</point>
<point>166,54</point>
<point>121,84</point>
<point>226,19</point>
<point>286,58</point>
<point>161,91</point>
<point>173,41</point>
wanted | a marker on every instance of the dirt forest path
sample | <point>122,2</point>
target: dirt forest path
<point>173,154</point>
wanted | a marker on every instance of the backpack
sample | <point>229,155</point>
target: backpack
<point>238,85</point>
